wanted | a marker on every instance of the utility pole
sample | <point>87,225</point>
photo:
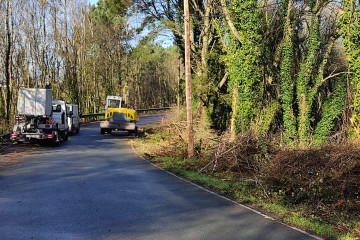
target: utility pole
<point>178,87</point>
<point>188,80</point>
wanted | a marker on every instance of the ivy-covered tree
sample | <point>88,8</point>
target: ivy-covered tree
<point>286,82</point>
<point>350,22</point>
<point>243,61</point>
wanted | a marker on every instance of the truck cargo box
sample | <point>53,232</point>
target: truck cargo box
<point>34,102</point>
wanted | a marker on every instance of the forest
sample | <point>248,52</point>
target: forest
<point>284,69</point>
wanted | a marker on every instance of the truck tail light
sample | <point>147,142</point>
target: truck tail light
<point>14,136</point>
<point>50,136</point>
<point>51,122</point>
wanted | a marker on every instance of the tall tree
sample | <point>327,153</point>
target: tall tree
<point>8,55</point>
<point>350,22</point>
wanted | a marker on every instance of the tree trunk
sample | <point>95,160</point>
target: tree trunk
<point>286,88</point>
<point>188,81</point>
<point>305,76</point>
<point>7,61</point>
<point>235,100</point>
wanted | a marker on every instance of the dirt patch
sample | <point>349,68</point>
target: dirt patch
<point>12,154</point>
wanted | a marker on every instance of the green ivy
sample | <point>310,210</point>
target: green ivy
<point>350,21</point>
<point>243,61</point>
<point>332,109</point>
<point>305,77</point>
<point>265,119</point>
<point>286,82</point>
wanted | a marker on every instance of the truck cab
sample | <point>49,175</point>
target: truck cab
<point>116,113</point>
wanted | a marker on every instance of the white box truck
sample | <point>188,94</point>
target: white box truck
<point>38,117</point>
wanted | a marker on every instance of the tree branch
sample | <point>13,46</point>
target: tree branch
<point>331,76</point>
<point>197,8</point>
<point>229,22</point>
<point>223,81</point>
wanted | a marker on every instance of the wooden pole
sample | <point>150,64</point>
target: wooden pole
<point>178,88</point>
<point>188,80</point>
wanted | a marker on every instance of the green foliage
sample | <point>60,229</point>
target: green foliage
<point>218,106</point>
<point>299,117</point>
<point>153,75</point>
<point>286,83</point>
<point>111,11</point>
<point>305,77</point>
<point>316,227</point>
<point>263,121</point>
<point>332,109</point>
<point>350,22</point>
<point>243,61</point>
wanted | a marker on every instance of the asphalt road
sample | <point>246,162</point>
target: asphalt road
<point>93,187</point>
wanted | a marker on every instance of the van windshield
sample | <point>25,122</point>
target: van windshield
<point>114,103</point>
<point>56,108</point>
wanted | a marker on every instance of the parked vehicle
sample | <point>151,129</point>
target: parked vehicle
<point>39,117</point>
<point>73,118</point>
<point>60,116</point>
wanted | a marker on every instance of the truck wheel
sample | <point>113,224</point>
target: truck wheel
<point>133,132</point>
<point>71,133</point>
<point>56,140</point>
<point>78,130</point>
<point>66,136</point>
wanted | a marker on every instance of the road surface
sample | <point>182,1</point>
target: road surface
<point>93,187</point>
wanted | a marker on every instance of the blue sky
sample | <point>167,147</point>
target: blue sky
<point>164,38</point>
<point>92,1</point>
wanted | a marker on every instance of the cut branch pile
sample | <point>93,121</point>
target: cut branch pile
<point>327,174</point>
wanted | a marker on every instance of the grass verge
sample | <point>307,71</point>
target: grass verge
<point>247,193</point>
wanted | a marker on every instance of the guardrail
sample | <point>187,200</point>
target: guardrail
<point>5,135</point>
<point>91,117</point>
<point>154,109</point>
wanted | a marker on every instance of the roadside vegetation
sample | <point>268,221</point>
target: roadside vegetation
<point>316,189</point>
<point>275,90</point>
